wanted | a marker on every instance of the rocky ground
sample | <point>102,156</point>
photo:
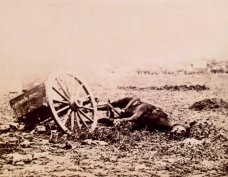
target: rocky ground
<point>118,151</point>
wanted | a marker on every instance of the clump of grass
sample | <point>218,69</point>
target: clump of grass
<point>206,129</point>
<point>122,136</point>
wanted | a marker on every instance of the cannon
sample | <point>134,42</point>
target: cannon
<point>62,97</point>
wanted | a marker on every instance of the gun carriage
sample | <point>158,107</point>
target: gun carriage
<point>62,97</point>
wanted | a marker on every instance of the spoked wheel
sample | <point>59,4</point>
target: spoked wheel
<point>71,102</point>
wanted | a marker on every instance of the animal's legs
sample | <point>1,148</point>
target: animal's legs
<point>130,104</point>
<point>132,118</point>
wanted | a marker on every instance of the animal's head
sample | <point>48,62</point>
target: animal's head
<point>182,130</point>
<point>179,130</point>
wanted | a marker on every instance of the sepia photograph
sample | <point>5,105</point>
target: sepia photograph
<point>125,88</point>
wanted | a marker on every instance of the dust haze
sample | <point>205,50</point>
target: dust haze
<point>38,37</point>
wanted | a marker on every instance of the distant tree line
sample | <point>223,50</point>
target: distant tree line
<point>217,66</point>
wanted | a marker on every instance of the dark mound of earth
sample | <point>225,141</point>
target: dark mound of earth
<point>167,87</point>
<point>209,104</point>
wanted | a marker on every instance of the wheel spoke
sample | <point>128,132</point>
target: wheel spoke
<point>82,120</point>
<point>77,120</point>
<point>85,107</point>
<point>67,117</point>
<point>71,86</point>
<point>81,112</point>
<point>78,90</point>
<point>67,86</point>
<point>63,109</point>
<point>60,85</point>
<point>65,98</point>
<point>72,122</point>
<point>61,101</point>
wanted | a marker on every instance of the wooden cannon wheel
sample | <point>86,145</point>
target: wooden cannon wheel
<point>72,102</point>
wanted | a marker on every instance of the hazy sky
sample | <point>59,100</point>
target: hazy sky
<point>40,35</point>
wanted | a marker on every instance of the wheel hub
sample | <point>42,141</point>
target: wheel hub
<point>75,104</point>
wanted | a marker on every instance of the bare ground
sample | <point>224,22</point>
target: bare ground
<point>137,153</point>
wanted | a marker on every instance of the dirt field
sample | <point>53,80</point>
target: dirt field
<point>137,153</point>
